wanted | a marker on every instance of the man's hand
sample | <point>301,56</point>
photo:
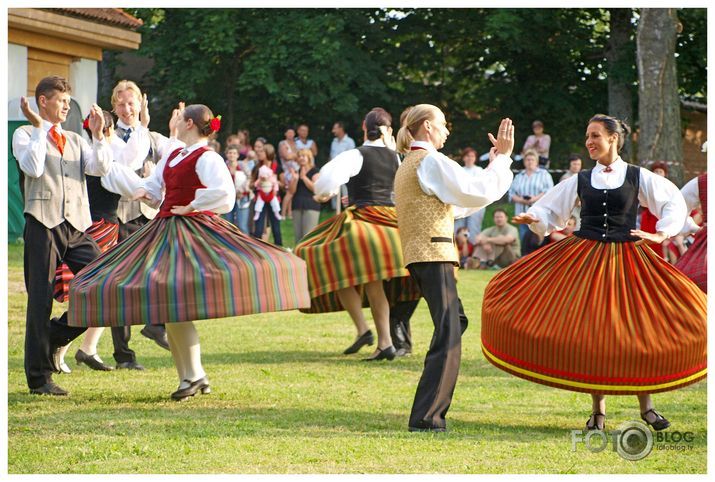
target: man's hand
<point>504,141</point>
<point>30,114</point>
<point>144,117</point>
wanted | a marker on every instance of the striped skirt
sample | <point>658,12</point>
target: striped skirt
<point>587,316</point>
<point>185,268</point>
<point>694,263</point>
<point>106,235</point>
<point>357,246</point>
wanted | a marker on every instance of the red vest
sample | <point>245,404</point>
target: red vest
<point>181,182</point>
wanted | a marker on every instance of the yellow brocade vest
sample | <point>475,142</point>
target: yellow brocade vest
<point>426,224</point>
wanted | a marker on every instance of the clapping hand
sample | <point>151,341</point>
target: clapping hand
<point>504,142</point>
<point>30,114</point>
<point>144,112</point>
<point>96,122</point>
<point>176,115</point>
<point>524,218</point>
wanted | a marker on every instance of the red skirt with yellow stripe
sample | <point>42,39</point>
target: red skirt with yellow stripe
<point>106,235</point>
<point>694,263</point>
<point>357,246</point>
<point>604,318</point>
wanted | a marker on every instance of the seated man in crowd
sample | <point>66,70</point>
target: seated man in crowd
<point>498,246</point>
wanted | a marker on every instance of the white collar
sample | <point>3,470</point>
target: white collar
<point>125,126</point>
<point>616,165</point>
<point>47,125</point>
<point>376,143</point>
<point>424,145</point>
<point>193,147</point>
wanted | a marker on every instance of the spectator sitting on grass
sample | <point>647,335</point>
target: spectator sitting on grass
<point>498,246</point>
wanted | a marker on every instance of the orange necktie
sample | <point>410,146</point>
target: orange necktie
<point>59,139</point>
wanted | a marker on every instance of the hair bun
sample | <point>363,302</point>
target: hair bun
<point>626,128</point>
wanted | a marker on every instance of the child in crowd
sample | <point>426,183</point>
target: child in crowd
<point>267,190</point>
<point>290,169</point>
<point>464,247</point>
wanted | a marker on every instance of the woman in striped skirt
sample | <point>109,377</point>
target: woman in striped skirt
<point>599,312</point>
<point>355,257</point>
<point>188,263</point>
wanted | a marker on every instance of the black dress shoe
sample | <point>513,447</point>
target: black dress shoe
<point>362,340</point>
<point>660,422</point>
<point>202,384</point>
<point>388,353</point>
<point>157,334</point>
<point>129,365</point>
<point>92,361</point>
<point>50,388</point>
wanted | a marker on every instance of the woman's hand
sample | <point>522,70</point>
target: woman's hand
<point>182,210</point>
<point>176,115</point>
<point>321,199</point>
<point>524,218</point>
<point>656,238</point>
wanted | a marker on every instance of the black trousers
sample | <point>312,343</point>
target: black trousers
<point>45,249</point>
<point>439,376</point>
<point>275,225</point>
<point>121,335</point>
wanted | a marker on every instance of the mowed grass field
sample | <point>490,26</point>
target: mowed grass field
<point>285,400</point>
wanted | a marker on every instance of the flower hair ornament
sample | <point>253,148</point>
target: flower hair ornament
<point>215,123</point>
<point>85,124</point>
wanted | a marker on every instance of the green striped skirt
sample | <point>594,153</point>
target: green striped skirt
<point>357,246</point>
<point>185,268</point>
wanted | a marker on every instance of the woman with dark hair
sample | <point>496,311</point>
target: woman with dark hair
<point>353,254</point>
<point>188,263</point>
<point>599,312</point>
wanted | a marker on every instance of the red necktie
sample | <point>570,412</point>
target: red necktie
<point>59,139</point>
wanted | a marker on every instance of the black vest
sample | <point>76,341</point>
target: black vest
<point>609,214</point>
<point>374,184</point>
<point>102,203</point>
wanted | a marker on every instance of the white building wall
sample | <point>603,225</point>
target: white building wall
<point>84,82</point>
<point>16,71</point>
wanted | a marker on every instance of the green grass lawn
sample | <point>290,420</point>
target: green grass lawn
<point>286,401</point>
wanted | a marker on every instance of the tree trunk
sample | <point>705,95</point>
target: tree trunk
<point>660,137</point>
<point>621,75</point>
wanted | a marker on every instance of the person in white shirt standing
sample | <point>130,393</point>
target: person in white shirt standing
<point>341,142</point>
<point>430,190</point>
<point>54,163</point>
<point>473,222</point>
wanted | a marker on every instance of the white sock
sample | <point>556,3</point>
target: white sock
<point>186,341</point>
<point>90,340</point>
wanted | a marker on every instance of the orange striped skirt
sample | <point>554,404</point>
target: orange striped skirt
<point>357,246</point>
<point>588,316</point>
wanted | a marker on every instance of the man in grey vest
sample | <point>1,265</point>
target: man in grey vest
<point>54,163</point>
<point>131,108</point>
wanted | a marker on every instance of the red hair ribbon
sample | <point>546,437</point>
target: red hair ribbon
<point>215,123</point>
<point>85,124</point>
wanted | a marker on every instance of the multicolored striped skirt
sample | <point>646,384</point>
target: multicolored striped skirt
<point>186,268</point>
<point>694,263</point>
<point>357,246</point>
<point>106,235</point>
<point>588,316</point>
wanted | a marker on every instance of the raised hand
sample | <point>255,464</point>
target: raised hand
<point>176,115</point>
<point>504,141</point>
<point>30,114</point>
<point>524,218</point>
<point>96,122</point>
<point>144,112</point>
<point>657,238</point>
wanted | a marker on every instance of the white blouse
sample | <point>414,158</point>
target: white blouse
<point>341,168</point>
<point>691,194</point>
<point>218,196</point>
<point>444,178</point>
<point>656,193</point>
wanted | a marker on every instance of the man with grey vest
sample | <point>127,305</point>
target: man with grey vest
<point>131,108</point>
<point>54,163</point>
